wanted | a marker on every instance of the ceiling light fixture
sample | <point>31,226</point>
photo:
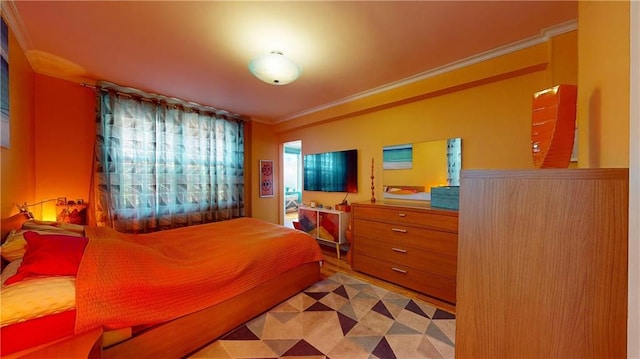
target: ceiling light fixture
<point>275,68</point>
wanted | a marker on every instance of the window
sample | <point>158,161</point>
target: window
<point>164,166</point>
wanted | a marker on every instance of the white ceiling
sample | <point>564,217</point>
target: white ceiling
<point>199,51</point>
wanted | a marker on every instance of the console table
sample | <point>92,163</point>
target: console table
<point>327,225</point>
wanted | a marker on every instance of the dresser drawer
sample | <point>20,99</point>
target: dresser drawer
<point>444,243</point>
<point>407,216</point>
<point>443,265</point>
<point>434,285</point>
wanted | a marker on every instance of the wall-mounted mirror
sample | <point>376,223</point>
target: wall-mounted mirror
<point>410,170</point>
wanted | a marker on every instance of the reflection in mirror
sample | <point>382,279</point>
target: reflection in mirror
<point>410,170</point>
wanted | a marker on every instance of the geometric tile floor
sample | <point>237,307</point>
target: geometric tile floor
<point>342,317</point>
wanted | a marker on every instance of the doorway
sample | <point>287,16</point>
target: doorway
<point>292,180</point>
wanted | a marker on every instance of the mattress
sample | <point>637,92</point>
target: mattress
<point>35,311</point>
<point>40,310</point>
<point>33,332</point>
<point>34,297</point>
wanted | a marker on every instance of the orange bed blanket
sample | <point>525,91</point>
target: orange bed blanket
<point>126,280</point>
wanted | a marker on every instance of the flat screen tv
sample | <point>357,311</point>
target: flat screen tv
<point>331,171</point>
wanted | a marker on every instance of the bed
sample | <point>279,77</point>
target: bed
<point>164,294</point>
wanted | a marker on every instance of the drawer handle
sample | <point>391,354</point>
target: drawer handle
<point>399,270</point>
<point>402,214</point>
<point>399,230</point>
<point>399,250</point>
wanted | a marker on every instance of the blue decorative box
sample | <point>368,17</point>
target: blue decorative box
<point>445,197</point>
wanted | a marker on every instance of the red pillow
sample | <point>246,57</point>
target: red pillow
<point>49,255</point>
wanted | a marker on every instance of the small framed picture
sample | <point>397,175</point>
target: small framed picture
<point>266,178</point>
<point>80,201</point>
<point>62,201</point>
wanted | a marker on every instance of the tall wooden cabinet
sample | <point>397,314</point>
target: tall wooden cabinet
<point>415,247</point>
<point>542,264</point>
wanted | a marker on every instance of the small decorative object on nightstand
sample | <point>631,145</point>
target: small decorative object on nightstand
<point>72,212</point>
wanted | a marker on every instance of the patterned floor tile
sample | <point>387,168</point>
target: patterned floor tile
<point>281,346</point>
<point>350,348</point>
<point>342,317</point>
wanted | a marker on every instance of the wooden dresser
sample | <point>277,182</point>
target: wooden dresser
<point>415,247</point>
<point>542,265</point>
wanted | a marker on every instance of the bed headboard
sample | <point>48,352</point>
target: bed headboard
<point>10,223</point>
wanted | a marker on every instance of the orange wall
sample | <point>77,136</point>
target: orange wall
<point>487,104</point>
<point>52,138</point>
<point>263,140</point>
<point>18,165</point>
<point>564,55</point>
<point>603,91</point>
<point>65,138</point>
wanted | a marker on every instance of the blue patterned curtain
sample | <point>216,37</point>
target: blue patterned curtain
<point>454,161</point>
<point>161,165</point>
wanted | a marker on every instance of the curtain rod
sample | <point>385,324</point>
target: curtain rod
<point>133,92</point>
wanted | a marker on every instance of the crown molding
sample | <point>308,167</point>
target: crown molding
<point>543,37</point>
<point>12,17</point>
